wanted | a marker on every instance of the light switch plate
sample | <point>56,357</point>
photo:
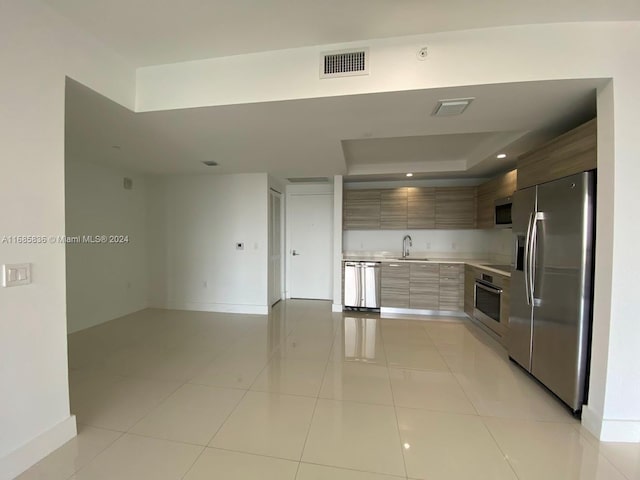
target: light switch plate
<point>17,274</point>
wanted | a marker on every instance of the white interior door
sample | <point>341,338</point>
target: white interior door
<point>311,248</point>
<point>275,247</point>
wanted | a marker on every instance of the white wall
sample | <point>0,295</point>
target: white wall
<point>38,49</point>
<point>476,57</point>
<point>194,224</point>
<point>104,281</point>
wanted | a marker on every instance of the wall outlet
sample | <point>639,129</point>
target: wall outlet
<point>454,245</point>
<point>428,245</point>
<point>240,246</point>
<point>16,275</point>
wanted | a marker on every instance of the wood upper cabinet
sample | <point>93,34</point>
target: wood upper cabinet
<point>421,207</point>
<point>490,191</point>
<point>361,210</point>
<point>393,209</point>
<point>410,208</point>
<point>571,153</point>
<point>455,207</point>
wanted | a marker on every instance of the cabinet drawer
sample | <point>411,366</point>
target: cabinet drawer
<point>425,272</point>
<point>450,297</point>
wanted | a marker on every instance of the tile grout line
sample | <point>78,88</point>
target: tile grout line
<point>315,405</point>
<point>395,410</point>
<point>455,377</point>
<point>97,454</point>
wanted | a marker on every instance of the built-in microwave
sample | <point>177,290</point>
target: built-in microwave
<point>502,214</point>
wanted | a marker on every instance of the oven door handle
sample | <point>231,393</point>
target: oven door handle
<point>488,287</point>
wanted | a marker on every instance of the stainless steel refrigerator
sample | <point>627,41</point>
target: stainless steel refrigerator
<point>551,283</point>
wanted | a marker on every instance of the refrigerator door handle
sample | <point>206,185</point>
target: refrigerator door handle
<point>527,263</point>
<point>363,278</point>
<point>539,216</point>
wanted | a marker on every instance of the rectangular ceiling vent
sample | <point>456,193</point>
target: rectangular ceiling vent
<point>308,180</point>
<point>452,106</point>
<point>344,63</point>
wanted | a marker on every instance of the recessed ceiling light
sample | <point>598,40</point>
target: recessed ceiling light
<point>409,174</point>
<point>501,155</point>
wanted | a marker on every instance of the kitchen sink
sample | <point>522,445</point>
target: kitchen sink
<point>421,259</point>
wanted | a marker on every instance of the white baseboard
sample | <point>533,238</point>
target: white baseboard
<point>624,431</point>
<point>219,307</point>
<point>336,307</point>
<point>31,453</point>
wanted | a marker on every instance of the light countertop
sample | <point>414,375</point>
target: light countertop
<point>476,262</point>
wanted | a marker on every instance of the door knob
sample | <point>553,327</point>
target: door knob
<point>294,253</point>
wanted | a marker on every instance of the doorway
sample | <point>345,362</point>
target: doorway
<point>310,245</point>
<point>275,247</point>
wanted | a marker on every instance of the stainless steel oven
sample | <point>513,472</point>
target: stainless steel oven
<point>487,301</point>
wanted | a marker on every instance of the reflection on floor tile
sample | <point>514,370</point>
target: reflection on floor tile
<point>309,471</point>
<point>293,376</point>
<point>429,390</point>
<point>267,424</point>
<point>355,435</point>
<point>223,464</point>
<point>73,455</point>
<point>117,403</point>
<point>358,382</point>
<point>192,414</point>
<point>352,396</point>
<point>554,451</point>
<point>450,446</point>
<point>134,458</point>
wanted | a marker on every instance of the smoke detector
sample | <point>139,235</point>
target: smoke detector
<point>450,107</point>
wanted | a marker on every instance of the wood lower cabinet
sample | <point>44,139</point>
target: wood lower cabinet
<point>421,207</point>
<point>394,291</point>
<point>361,210</point>
<point>393,209</point>
<point>451,287</point>
<point>424,286</point>
<point>455,208</point>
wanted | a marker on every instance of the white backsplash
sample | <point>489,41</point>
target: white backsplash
<point>494,245</point>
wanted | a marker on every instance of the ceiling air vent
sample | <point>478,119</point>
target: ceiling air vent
<point>453,106</point>
<point>344,63</point>
<point>308,180</point>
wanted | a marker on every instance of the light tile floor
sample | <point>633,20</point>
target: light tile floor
<point>308,394</point>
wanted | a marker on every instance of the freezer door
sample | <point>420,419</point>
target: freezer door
<point>562,286</point>
<point>371,285</point>
<point>520,316</point>
<point>352,284</point>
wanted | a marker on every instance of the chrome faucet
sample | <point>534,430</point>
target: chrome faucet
<point>405,247</point>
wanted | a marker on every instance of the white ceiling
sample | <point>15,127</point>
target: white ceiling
<point>359,135</point>
<point>149,32</point>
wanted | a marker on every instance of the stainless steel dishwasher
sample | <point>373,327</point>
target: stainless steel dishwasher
<point>362,284</point>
